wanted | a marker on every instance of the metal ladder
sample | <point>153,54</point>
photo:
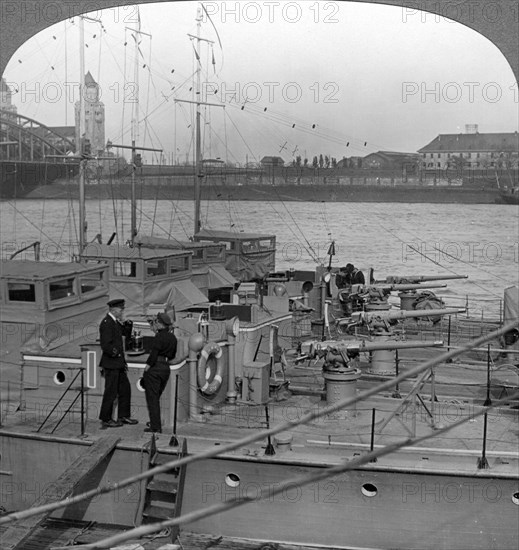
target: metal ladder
<point>163,492</point>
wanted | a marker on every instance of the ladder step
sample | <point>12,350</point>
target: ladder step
<point>169,506</point>
<point>163,486</point>
<point>158,512</point>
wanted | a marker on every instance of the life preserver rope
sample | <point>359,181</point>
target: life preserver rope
<point>206,385</point>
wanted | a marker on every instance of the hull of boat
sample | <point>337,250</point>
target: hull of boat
<point>408,509</point>
<point>364,508</point>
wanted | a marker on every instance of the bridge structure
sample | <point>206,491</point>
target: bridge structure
<point>32,154</point>
<point>25,139</point>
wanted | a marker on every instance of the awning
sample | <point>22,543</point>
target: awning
<point>219,277</point>
<point>184,294</point>
<point>511,304</point>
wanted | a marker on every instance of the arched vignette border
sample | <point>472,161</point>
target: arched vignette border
<point>21,19</point>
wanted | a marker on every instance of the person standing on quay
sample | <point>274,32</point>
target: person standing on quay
<point>113,366</point>
<point>156,373</point>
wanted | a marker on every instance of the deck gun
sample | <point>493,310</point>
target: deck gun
<point>379,324</point>
<point>382,320</point>
<point>342,354</point>
<point>375,296</point>
<point>410,299</point>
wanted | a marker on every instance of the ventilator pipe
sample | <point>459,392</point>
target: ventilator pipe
<point>324,287</point>
<point>307,288</point>
<point>195,345</point>
<point>232,327</point>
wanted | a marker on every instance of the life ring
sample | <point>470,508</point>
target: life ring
<point>206,386</point>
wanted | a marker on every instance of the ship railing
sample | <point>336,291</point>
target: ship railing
<point>474,309</point>
<point>80,395</point>
<point>305,479</point>
<point>415,399</point>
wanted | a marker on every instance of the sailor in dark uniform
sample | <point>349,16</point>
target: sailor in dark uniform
<point>348,276</point>
<point>353,275</point>
<point>156,372</point>
<point>114,367</point>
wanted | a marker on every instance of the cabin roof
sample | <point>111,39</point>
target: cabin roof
<point>230,235</point>
<point>95,250</point>
<point>173,244</point>
<point>41,270</point>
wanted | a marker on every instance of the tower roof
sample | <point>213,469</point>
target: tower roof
<point>89,80</point>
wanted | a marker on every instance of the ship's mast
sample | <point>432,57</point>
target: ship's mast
<point>136,161</point>
<point>198,102</point>
<point>135,132</point>
<point>81,140</point>
<point>198,152</point>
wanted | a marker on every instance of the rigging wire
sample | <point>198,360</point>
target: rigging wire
<point>313,254</point>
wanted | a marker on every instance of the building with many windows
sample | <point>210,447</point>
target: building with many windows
<point>471,150</point>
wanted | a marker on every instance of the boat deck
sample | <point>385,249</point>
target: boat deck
<point>55,533</point>
<point>330,439</point>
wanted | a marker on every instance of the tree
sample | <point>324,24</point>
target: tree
<point>315,162</point>
<point>305,162</point>
<point>298,160</point>
<point>327,161</point>
<point>321,161</point>
<point>334,162</point>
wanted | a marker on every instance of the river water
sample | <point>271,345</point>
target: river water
<point>481,241</point>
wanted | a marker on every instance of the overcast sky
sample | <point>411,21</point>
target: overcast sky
<point>303,78</point>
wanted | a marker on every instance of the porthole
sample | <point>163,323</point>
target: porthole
<point>369,490</point>
<point>59,378</point>
<point>232,480</point>
<point>515,498</point>
<point>139,385</point>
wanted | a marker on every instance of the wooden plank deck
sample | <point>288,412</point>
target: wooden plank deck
<point>14,537</point>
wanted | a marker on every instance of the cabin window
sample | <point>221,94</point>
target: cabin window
<point>125,269</point>
<point>21,292</point>
<point>215,253</point>
<point>61,289</point>
<point>250,246</point>
<point>156,267</point>
<point>177,265</point>
<point>198,254</point>
<point>92,282</point>
<point>229,245</point>
<point>266,244</point>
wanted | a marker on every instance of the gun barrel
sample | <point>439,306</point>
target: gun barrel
<point>387,345</point>
<point>393,315</point>
<point>392,279</point>
<point>416,286</point>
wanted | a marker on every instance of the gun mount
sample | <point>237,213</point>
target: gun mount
<point>341,358</point>
<point>410,299</point>
<point>375,297</point>
<point>379,324</point>
<point>381,321</point>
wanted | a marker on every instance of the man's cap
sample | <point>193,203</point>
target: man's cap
<point>164,319</point>
<point>118,302</point>
<point>349,267</point>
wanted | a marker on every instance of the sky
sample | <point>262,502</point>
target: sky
<point>296,78</point>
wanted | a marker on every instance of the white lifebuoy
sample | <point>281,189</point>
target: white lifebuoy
<point>210,386</point>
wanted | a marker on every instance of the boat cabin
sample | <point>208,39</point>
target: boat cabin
<point>248,255</point>
<point>45,304</point>
<point>144,276</point>
<point>208,264</point>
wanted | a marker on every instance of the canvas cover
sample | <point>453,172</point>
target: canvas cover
<point>511,304</point>
<point>249,267</point>
<point>178,294</point>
